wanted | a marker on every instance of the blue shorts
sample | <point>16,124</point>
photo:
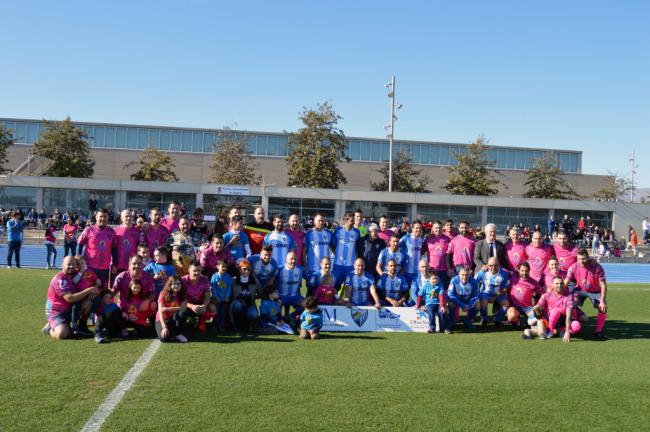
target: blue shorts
<point>581,296</point>
<point>528,311</point>
<point>294,300</point>
<point>493,298</point>
<point>58,318</point>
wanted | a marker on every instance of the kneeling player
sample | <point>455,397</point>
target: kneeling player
<point>522,290</point>
<point>590,284</point>
<point>494,284</point>
<point>463,295</point>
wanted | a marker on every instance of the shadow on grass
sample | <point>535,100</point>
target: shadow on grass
<point>351,335</point>
<point>616,329</point>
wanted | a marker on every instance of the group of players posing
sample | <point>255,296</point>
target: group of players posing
<point>161,284</point>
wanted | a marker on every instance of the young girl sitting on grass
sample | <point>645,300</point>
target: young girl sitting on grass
<point>171,301</point>
<point>137,310</point>
<point>311,319</point>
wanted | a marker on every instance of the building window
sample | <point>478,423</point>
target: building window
<point>442,212</point>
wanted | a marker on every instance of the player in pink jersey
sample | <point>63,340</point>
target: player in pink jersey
<point>555,303</point>
<point>436,246</point>
<point>154,234</point>
<point>217,251</point>
<point>385,233</point>
<point>135,272</point>
<point>515,250</point>
<point>127,239</point>
<point>100,247</point>
<point>566,252</point>
<point>298,237</point>
<point>538,255</point>
<point>61,296</point>
<point>197,291</point>
<point>590,283</point>
<point>553,270</point>
<point>449,230</point>
<point>173,216</point>
<point>522,290</point>
<point>460,252</point>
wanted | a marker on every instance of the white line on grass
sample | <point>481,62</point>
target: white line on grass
<point>106,408</point>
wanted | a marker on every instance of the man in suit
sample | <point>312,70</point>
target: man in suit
<point>488,247</point>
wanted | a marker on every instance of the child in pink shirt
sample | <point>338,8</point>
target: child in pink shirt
<point>325,293</point>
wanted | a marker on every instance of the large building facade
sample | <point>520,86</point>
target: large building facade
<point>114,145</point>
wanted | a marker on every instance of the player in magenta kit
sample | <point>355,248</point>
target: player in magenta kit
<point>559,302</point>
<point>170,222</point>
<point>460,252</point>
<point>436,246</point>
<point>553,270</point>
<point>538,255</point>
<point>522,290</point>
<point>591,284</point>
<point>127,239</point>
<point>100,247</point>
<point>197,290</point>
<point>298,236</point>
<point>515,251</point>
<point>153,233</point>
<point>566,252</point>
<point>61,296</point>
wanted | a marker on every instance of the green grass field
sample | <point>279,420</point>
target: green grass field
<point>489,380</point>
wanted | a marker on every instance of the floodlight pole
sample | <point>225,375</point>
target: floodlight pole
<point>632,173</point>
<point>391,95</point>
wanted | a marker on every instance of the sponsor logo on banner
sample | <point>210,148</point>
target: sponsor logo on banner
<point>359,316</point>
<point>369,319</point>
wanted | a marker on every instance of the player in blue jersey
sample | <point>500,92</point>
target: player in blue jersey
<point>391,252</point>
<point>360,289</point>
<point>264,267</point>
<point>463,295</point>
<point>431,299</point>
<point>494,284</point>
<point>392,288</point>
<point>281,242</point>
<point>345,243</point>
<point>411,245</point>
<point>317,245</point>
<point>288,280</point>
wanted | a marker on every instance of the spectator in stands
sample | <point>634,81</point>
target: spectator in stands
<point>32,217</point>
<point>42,216</point>
<point>15,228</point>
<point>634,240</point>
<point>645,226</point>
<point>551,225</point>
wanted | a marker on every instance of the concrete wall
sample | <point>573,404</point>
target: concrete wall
<point>195,168</point>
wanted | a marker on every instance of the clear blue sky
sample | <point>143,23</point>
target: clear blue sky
<point>572,75</point>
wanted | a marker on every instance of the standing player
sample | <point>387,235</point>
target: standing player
<point>566,252</point>
<point>100,247</point>
<point>392,252</point>
<point>298,236</point>
<point>317,244</point>
<point>538,255</point>
<point>171,221</point>
<point>281,242</point>
<point>460,252</point>
<point>154,234</point>
<point>257,230</point>
<point>494,284</point>
<point>436,246</point>
<point>590,282</point>
<point>345,243</point>
<point>127,238</point>
<point>515,250</point>
<point>384,232</point>
<point>236,239</point>
<point>411,246</point>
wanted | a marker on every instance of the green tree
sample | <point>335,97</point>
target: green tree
<point>618,188</point>
<point>232,163</point>
<point>545,181</point>
<point>154,166</point>
<point>6,140</point>
<point>475,173</point>
<point>316,150</point>
<point>406,178</point>
<point>67,147</point>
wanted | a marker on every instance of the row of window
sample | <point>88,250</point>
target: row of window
<point>182,140</point>
<point>25,199</point>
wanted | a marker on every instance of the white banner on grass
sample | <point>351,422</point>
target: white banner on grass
<point>369,319</point>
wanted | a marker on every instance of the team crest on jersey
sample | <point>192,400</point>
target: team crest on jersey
<point>359,316</point>
<point>586,283</point>
<point>516,255</point>
<point>102,243</point>
<point>125,242</point>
